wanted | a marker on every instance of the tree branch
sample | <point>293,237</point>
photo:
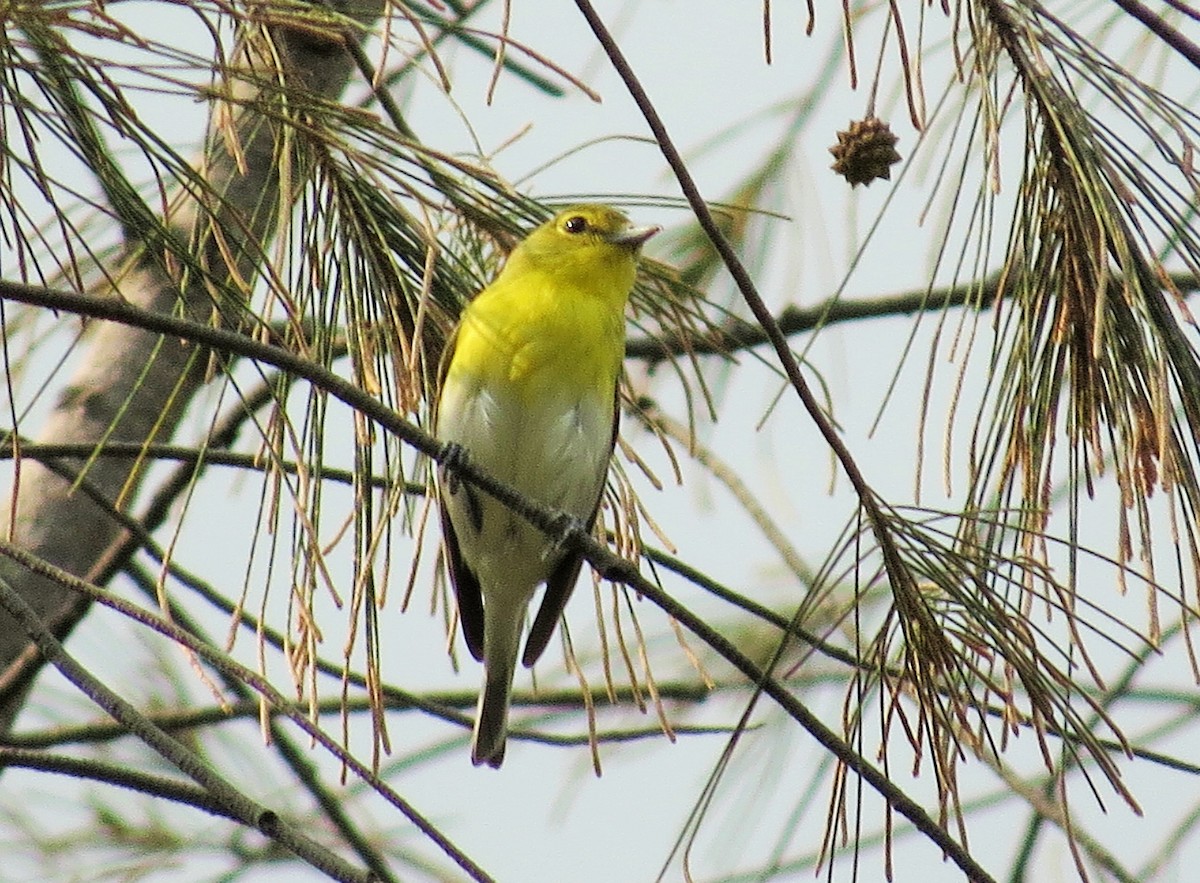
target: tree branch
<point>740,335</point>
<point>115,774</point>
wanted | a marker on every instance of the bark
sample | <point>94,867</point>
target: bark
<point>133,386</point>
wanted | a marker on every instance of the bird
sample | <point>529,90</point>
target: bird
<point>528,394</point>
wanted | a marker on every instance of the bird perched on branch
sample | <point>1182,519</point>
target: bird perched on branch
<point>529,395</point>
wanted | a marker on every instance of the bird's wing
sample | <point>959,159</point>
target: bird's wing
<point>465,582</point>
<point>561,581</point>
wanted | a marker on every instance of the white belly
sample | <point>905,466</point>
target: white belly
<point>555,453</point>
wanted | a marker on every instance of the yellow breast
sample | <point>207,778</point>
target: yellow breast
<point>540,337</point>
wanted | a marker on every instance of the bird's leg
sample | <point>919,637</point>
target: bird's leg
<point>453,457</point>
<point>565,528</point>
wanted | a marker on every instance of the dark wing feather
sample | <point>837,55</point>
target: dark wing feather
<point>466,587</point>
<point>465,582</point>
<point>558,591</point>
<point>561,582</point>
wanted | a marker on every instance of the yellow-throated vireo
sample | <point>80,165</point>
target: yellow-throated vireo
<point>529,393</point>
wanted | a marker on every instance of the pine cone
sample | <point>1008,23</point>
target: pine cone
<point>865,151</point>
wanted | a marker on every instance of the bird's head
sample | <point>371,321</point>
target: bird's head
<point>593,244</point>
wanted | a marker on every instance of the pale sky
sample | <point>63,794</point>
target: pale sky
<point>544,816</point>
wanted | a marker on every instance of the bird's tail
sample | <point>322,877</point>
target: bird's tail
<point>502,640</point>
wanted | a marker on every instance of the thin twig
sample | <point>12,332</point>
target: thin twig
<point>1158,25</point>
<point>193,457</point>
<point>114,774</point>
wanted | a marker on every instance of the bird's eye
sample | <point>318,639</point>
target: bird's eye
<point>575,224</point>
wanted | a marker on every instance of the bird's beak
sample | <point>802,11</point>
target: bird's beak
<point>633,237</point>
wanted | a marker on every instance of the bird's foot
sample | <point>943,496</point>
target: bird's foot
<point>565,528</point>
<point>453,457</point>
